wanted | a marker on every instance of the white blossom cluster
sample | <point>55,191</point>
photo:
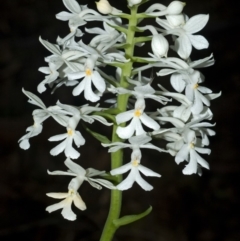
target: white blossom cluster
<point>80,66</point>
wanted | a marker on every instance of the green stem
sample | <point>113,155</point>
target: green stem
<point>117,157</point>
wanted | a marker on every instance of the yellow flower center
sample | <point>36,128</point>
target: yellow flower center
<point>137,113</point>
<point>135,163</point>
<point>71,192</point>
<point>195,86</point>
<point>191,145</point>
<point>88,72</point>
<point>70,132</point>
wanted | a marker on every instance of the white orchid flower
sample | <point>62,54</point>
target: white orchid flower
<point>137,117</point>
<point>105,37</point>
<point>59,63</point>
<point>190,81</point>
<point>72,196</point>
<point>136,142</point>
<point>39,116</point>
<point>185,110</point>
<point>134,176</point>
<point>186,39</point>
<point>78,15</point>
<point>89,76</point>
<point>189,152</point>
<point>68,138</point>
<point>86,175</point>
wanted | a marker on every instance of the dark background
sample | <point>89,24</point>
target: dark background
<point>185,208</point>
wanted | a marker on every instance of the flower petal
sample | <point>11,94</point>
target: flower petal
<point>138,127</point>
<point>58,149</point>
<point>64,16</point>
<point>24,144</point>
<point>126,132</point>
<point>98,81</point>
<point>75,168</point>
<point>79,203</point>
<point>147,172</point>
<point>196,23</point>
<point>79,88</point>
<point>202,161</point>
<point>192,165</point>
<point>183,46</point>
<point>88,92</point>
<point>56,206</point>
<point>203,150</point>
<point>58,137</point>
<point>142,183</point>
<point>198,42</point>
<point>57,195</point>
<point>149,122</point>
<point>67,212</point>
<point>78,139</point>
<point>121,170</point>
<point>128,182</point>
<point>182,154</point>
<point>69,150</point>
<point>72,6</point>
<point>139,140</point>
<point>177,82</point>
<point>124,117</point>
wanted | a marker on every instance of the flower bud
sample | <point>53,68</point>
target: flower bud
<point>104,7</point>
<point>133,2</point>
<point>175,7</point>
<point>176,20</point>
<point>160,45</point>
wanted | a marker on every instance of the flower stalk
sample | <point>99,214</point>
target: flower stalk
<point>117,157</point>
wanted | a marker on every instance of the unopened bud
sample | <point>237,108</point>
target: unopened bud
<point>176,20</point>
<point>175,7</point>
<point>104,7</point>
<point>133,2</point>
<point>160,45</point>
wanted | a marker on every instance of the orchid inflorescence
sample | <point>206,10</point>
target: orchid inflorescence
<point>80,66</point>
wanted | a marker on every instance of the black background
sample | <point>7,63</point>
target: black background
<point>185,208</point>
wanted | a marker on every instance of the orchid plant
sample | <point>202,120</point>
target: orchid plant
<point>82,67</point>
